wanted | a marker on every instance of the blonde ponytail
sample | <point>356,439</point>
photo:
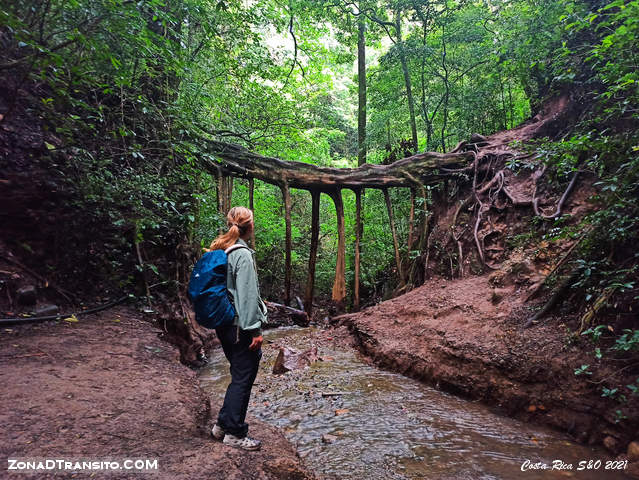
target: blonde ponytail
<point>239,220</point>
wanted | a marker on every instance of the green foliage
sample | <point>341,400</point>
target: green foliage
<point>461,83</point>
<point>627,342</point>
<point>595,333</point>
<point>599,54</point>
<point>605,142</point>
<point>133,90</point>
<point>583,370</point>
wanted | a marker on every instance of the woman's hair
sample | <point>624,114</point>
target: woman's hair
<point>239,221</point>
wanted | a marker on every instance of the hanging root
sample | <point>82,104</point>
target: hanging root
<point>480,212</point>
<point>602,300</point>
<point>566,256</point>
<point>459,146</point>
<point>457,238</point>
<point>497,185</point>
<point>554,300</point>
<point>498,182</point>
<point>486,193</point>
<point>498,179</point>
<point>493,187</point>
<point>562,200</point>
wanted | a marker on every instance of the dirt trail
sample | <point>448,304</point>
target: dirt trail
<point>107,386</point>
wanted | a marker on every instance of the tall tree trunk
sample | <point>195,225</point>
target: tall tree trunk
<point>503,104</point>
<point>361,77</point>
<point>358,234</point>
<point>445,112</point>
<point>216,173</point>
<point>361,143</point>
<point>428,120</point>
<point>287,268</point>
<point>219,193</point>
<point>225,189</point>
<point>251,195</point>
<point>310,283</point>
<point>510,105</point>
<point>229,193</point>
<point>196,210</point>
<point>391,220</point>
<point>446,87</point>
<point>411,220</point>
<point>339,285</point>
<point>407,81</point>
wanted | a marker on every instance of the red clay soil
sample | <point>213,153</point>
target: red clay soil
<point>465,336</point>
<point>108,386</point>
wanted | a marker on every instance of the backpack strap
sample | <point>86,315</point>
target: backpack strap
<point>237,246</point>
<point>233,247</point>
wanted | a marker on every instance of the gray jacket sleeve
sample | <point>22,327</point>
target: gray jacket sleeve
<point>248,303</point>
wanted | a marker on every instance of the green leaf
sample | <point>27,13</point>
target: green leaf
<point>583,370</point>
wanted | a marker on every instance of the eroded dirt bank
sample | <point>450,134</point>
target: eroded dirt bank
<point>107,386</point>
<point>466,337</point>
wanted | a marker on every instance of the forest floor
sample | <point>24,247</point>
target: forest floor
<point>107,386</point>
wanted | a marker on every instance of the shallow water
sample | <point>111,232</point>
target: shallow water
<point>387,426</point>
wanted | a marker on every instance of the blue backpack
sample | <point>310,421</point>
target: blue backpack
<point>207,289</point>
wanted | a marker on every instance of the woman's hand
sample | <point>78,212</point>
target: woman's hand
<point>256,343</point>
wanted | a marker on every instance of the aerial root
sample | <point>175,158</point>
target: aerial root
<point>560,204</point>
<point>486,194</point>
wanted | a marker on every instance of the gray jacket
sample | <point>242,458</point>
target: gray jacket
<point>242,284</point>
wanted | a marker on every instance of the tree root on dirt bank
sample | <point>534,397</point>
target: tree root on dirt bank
<point>493,192</point>
<point>23,320</point>
<point>554,299</point>
<point>68,296</point>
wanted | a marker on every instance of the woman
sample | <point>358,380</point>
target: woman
<point>241,341</point>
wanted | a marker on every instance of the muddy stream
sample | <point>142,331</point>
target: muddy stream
<point>383,425</point>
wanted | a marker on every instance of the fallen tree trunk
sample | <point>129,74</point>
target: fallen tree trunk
<point>240,162</point>
<point>280,315</point>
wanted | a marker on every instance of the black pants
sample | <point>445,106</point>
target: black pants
<point>244,365</point>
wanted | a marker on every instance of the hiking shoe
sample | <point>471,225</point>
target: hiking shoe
<point>217,432</point>
<point>246,443</point>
